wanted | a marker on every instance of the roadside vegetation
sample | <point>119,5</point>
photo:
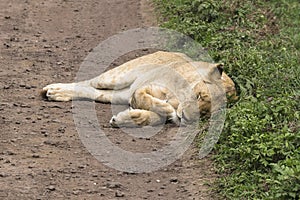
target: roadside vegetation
<point>258,154</point>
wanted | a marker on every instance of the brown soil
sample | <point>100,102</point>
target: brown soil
<point>41,155</point>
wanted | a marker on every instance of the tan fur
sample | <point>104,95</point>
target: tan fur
<point>159,87</point>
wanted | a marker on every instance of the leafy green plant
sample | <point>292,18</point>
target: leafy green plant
<point>259,42</point>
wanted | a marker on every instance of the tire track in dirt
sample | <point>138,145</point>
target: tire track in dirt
<point>41,156</point>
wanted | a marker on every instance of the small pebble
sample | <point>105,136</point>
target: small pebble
<point>174,180</point>
<point>119,194</point>
<point>113,185</point>
<point>76,192</point>
<point>36,156</point>
<point>3,175</point>
<point>51,188</point>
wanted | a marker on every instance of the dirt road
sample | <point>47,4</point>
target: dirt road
<point>41,155</point>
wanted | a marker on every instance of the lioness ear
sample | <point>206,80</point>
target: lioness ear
<point>220,67</point>
<point>215,72</point>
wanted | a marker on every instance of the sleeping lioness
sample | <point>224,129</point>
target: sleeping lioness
<point>155,86</point>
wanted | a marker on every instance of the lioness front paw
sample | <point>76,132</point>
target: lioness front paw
<point>112,122</point>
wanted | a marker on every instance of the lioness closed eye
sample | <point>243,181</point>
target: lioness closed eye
<point>147,83</point>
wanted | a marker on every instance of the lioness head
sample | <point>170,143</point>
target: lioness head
<point>212,74</point>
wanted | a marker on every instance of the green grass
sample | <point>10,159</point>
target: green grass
<point>258,153</point>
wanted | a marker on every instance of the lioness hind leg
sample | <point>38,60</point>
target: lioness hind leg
<point>74,91</point>
<point>68,92</point>
<point>136,117</point>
